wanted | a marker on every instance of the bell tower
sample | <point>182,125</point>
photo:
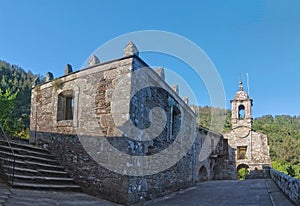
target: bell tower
<point>241,109</point>
<point>247,149</point>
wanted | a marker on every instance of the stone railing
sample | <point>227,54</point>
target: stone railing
<point>289,185</point>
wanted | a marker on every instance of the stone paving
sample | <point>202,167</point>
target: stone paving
<point>15,197</point>
<point>262,192</point>
<point>227,192</point>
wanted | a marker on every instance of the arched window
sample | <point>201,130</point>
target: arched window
<point>65,105</point>
<point>241,114</point>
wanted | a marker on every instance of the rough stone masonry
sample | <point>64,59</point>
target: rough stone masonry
<point>73,114</point>
<point>125,135</point>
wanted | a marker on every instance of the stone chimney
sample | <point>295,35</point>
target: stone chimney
<point>130,49</point>
<point>94,60</point>
<point>49,76</point>
<point>68,69</point>
<point>161,72</point>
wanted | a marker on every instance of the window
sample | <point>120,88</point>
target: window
<point>175,120</point>
<point>212,144</point>
<point>69,108</point>
<point>241,152</point>
<point>65,106</point>
<point>241,112</point>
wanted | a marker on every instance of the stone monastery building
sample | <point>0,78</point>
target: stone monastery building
<point>125,135</point>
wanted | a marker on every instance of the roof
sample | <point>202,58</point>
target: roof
<point>241,94</point>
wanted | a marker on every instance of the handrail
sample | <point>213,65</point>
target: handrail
<point>12,174</point>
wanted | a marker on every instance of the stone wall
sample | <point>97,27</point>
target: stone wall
<point>289,185</point>
<point>211,153</point>
<point>257,154</point>
<point>94,141</point>
<point>73,141</point>
<point>171,143</point>
<point>93,178</point>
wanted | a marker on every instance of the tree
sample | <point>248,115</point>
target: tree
<point>18,82</point>
<point>205,119</point>
<point>284,139</point>
<point>290,170</point>
<point>7,105</point>
<point>242,173</point>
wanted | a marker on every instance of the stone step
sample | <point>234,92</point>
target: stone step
<point>13,202</point>
<point>29,158</point>
<point>43,180</point>
<point>34,168</point>
<point>53,173</point>
<point>8,169</point>
<point>23,151</point>
<point>34,165</point>
<point>23,146</point>
<point>62,187</point>
<point>45,177</point>
<point>25,170</point>
<point>35,172</point>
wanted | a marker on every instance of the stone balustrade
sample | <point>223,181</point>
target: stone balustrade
<point>289,185</point>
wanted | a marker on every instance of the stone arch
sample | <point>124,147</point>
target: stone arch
<point>240,166</point>
<point>242,171</point>
<point>241,114</point>
<point>203,174</point>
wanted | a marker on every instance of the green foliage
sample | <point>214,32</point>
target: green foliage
<point>242,173</point>
<point>209,117</point>
<point>23,134</point>
<point>7,105</point>
<point>18,82</point>
<point>292,170</point>
<point>284,139</point>
<point>57,84</point>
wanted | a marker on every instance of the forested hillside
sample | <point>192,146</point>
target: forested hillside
<point>15,94</point>
<point>283,132</point>
<point>284,139</point>
<point>205,119</point>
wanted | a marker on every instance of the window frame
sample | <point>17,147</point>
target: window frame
<point>65,106</point>
<point>241,152</point>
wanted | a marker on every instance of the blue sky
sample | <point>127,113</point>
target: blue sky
<point>261,38</point>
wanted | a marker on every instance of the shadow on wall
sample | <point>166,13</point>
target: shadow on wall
<point>212,157</point>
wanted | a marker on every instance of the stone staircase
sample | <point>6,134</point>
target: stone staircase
<point>34,168</point>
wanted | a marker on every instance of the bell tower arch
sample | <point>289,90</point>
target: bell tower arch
<point>241,109</point>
